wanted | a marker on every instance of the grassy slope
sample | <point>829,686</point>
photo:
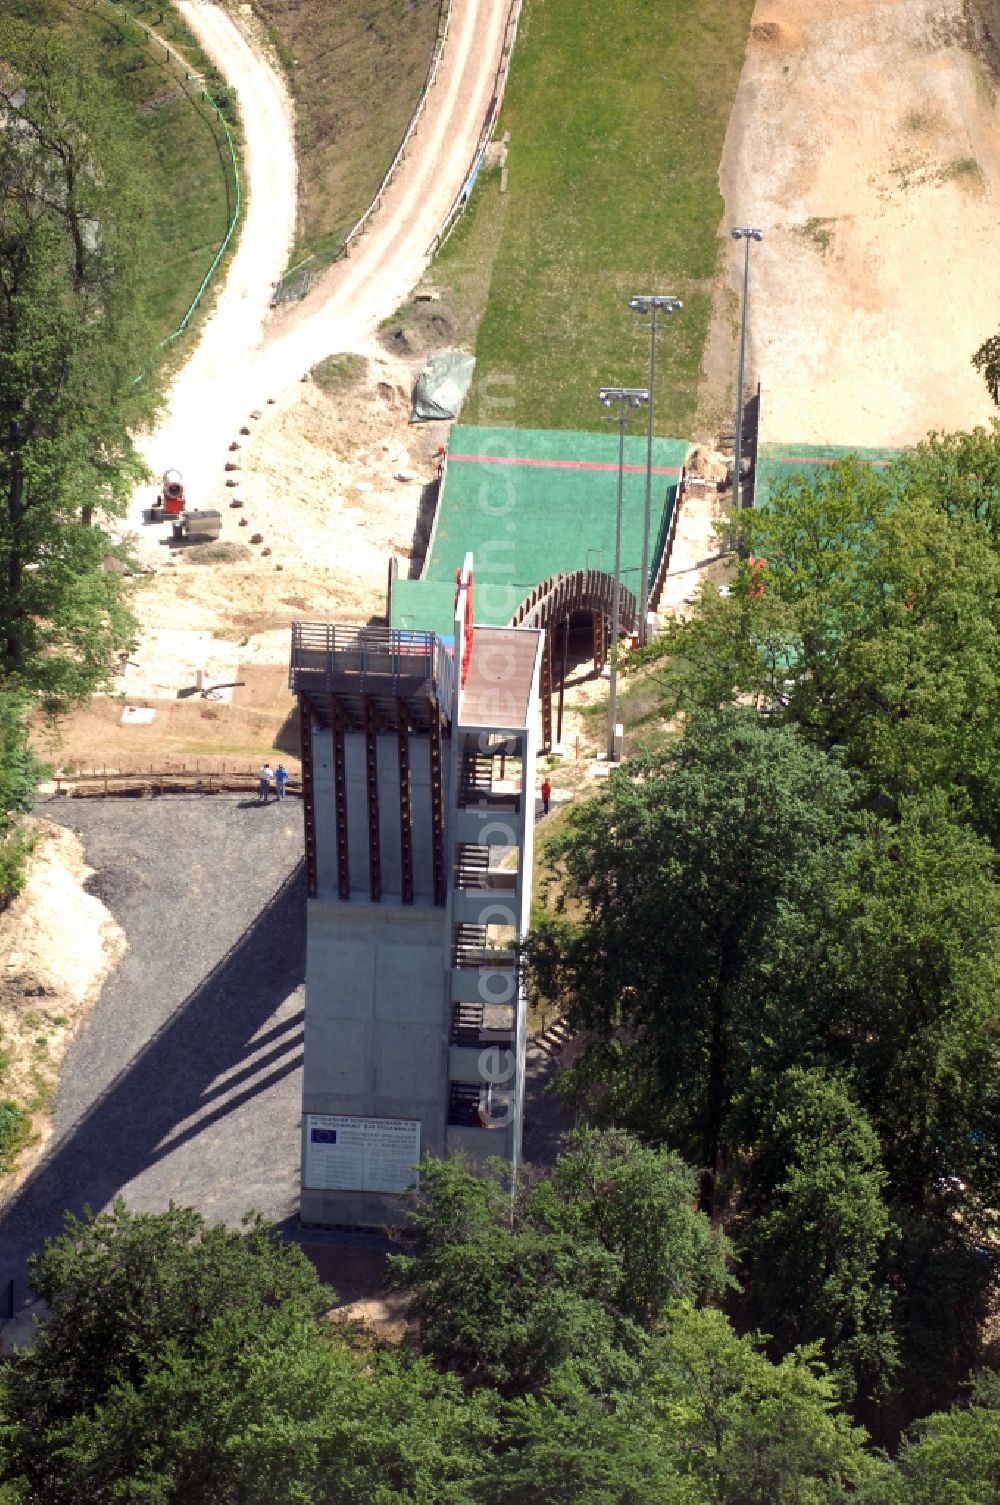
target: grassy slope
<point>460,274</point>
<point>356,69</point>
<point>617,111</point>
<point>181,151</point>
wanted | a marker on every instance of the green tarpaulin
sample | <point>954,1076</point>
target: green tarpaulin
<point>441,388</point>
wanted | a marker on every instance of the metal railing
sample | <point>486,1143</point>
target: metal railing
<point>327,656</point>
<point>171,54</point>
<point>665,544</point>
<point>471,1025</point>
<point>376,202</point>
<point>362,224</point>
<point>181,778</point>
<point>492,115</point>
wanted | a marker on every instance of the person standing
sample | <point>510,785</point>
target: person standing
<point>546,795</point>
<point>264,777</point>
<point>280,780</point>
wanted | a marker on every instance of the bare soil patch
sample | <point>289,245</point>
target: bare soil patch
<point>196,734</point>
<point>865,142</point>
<point>58,943</point>
<point>319,484</point>
<point>358,1278</point>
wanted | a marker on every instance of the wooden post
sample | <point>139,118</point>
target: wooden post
<point>405,805</point>
<point>371,789</point>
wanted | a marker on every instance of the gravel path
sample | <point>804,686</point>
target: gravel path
<point>185,1081</point>
<point>194,428</point>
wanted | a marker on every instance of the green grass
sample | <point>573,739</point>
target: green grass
<point>181,154</point>
<point>820,230</point>
<point>639,709</point>
<point>338,374</point>
<point>15,1127</point>
<point>247,750</point>
<point>617,111</point>
<point>464,263</point>
<point>461,274</point>
<point>967,172</point>
<point>356,69</point>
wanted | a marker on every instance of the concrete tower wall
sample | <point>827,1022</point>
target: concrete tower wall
<point>375,1034</point>
<point>415,1020</point>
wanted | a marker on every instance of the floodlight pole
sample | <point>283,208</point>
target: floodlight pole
<point>626,397</point>
<point>649,303</point>
<point>746,234</point>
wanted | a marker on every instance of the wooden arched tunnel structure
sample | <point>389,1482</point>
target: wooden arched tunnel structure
<point>554,602</point>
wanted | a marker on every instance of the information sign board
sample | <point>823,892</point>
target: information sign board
<point>361,1154</point>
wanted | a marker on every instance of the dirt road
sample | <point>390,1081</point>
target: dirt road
<point>358,293</point>
<point>190,432</point>
<point>246,355</point>
<point>865,142</point>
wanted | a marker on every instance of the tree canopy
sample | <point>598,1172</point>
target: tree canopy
<point>799,994</point>
<point>872,622</point>
<point>819,1238</point>
<point>953,1458</point>
<point>697,887</point>
<point>187,1363</point>
<point>74,229</point>
<point>217,1380</point>
<point>573,1268</point>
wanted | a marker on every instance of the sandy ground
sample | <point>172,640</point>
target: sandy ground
<point>865,143</point>
<point>248,354</point>
<point>325,488</point>
<point>327,491</point>
<point>58,943</point>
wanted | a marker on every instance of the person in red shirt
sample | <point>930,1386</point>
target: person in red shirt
<point>546,795</point>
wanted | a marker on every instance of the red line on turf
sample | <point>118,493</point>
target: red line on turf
<point>658,470</point>
<point>827,460</point>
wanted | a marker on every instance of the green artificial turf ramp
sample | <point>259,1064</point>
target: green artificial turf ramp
<point>424,606</point>
<point>529,503</point>
<point>797,462</point>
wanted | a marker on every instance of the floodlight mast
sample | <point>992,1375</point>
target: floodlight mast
<point>626,398</point>
<point>651,304</point>
<point>746,233</point>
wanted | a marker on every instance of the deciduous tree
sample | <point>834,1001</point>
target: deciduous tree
<point>193,1365</point>
<point>699,889</point>
<point>819,1238</point>
<point>916,964</point>
<point>874,624</point>
<point>953,1458</point>
<point>73,243</point>
<point>574,1268</point>
<point>751,1431</point>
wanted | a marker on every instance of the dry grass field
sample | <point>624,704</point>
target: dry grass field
<point>355,69</point>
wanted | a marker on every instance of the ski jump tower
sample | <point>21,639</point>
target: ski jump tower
<point>418,772</point>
